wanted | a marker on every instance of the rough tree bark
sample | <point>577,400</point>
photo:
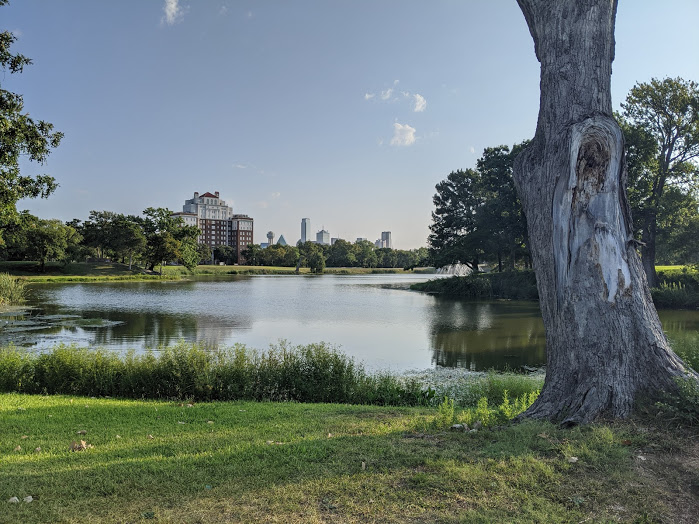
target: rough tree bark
<point>605,345</point>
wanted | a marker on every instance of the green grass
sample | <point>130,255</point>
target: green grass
<point>75,272</point>
<point>299,463</point>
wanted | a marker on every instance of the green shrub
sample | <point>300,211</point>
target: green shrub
<point>312,373</point>
<point>445,413</point>
<point>683,405</point>
<point>12,290</point>
<point>518,285</point>
<point>686,345</point>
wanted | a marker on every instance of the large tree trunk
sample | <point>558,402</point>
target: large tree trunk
<point>604,341</point>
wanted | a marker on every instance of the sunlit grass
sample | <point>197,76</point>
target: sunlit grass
<point>288,462</point>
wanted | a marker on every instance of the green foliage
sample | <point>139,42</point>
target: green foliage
<point>20,137</point>
<point>504,411</point>
<point>312,373</point>
<point>686,345</point>
<point>682,406</point>
<point>445,413</point>
<point>478,214</point>
<point>12,290</point>
<point>518,285</point>
<point>49,240</point>
<point>660,121</point>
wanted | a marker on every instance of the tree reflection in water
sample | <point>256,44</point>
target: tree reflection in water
<point>481,335</point>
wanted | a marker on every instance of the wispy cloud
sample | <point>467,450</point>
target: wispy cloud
<point>403,135</point>
<point>472,150</point>
<point>223,11</point>
<point>420,103</point>
<point>391,94</point>
<point>173,12</point>
<point>276,195</point>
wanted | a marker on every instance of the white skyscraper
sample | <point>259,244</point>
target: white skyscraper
<point>386,239</point>
<point>322,237</point>
<point>305,229</point>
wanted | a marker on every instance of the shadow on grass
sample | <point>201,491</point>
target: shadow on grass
<point>297,463</point>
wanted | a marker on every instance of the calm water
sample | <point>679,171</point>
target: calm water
<point>373,318</point>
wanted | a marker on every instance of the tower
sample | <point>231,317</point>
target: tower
<point>305,229</point>
<point>270,238</point>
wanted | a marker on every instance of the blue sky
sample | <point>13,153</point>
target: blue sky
<point>347,112</point>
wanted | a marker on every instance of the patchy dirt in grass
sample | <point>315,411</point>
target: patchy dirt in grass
<point>673,474</point>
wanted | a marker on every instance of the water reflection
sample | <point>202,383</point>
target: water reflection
<point>485,335</point>
<point>373,318</point>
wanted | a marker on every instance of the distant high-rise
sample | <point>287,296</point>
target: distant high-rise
<point>305,229</point>
<point>218,224</point>
<point>386,239</point>
<point>322,237</point>
<point>281,241</point>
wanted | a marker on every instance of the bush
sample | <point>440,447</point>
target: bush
<point>517,285</point>
<point>682,406</point>
<point>312,373</point>
<point>12,290</point>
<point>686,345</point>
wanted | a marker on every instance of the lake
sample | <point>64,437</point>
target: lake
<point>374,318</point>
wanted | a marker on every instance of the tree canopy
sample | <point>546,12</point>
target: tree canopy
<point>20,135</point>
<point>660,121</point>
<point>478,215</point>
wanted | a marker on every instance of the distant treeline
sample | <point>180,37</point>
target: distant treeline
<point>340,254</point>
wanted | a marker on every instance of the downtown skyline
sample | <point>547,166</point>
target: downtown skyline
<point>350,111</point>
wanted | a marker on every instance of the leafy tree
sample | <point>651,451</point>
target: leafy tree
<point>660,120</point>
<point>204,253</point>
<point>225,254</point>
<point>251,254</point>
<point>501,218</point>
<point>20,135</point>
<point>188,253</point>
<point>168,238</point>
<point>342,254</point>
<point>316,259</point>
<point>364,254</point>
<point>127,238</point>
<point>678,227</point>
<point>48,240</point>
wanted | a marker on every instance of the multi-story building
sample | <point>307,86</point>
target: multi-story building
<point>305,229</point>
<point>218,224</point>
<point>386,239</point>
<point>322,237</point>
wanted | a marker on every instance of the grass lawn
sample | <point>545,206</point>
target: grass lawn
<point>74,272</point>
<point>150,461</point>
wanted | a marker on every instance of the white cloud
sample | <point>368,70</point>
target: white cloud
<point>240,166</point>
<point>276,194</point>
<point>472,150</point>
<point>369,96</point>
<point>403,135</point>
<point>223,11</point>
<point>387,93</point>
<point>420,103</point>
<point>173,12</point>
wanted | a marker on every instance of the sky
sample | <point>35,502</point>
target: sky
<point>347,112</point>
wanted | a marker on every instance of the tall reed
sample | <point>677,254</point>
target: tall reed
<point>12,290</point>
